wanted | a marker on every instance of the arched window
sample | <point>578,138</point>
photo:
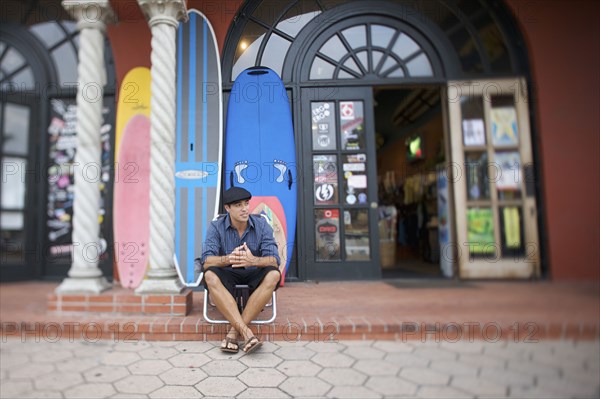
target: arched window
<point>480,35</point>
<point>361,49</point>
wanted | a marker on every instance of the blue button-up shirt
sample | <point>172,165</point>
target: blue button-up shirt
<point>222,238</point>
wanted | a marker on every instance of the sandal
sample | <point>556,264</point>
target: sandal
<point>254,343</point>
<point>229,341</point>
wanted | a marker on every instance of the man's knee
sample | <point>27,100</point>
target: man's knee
<point>211,278</point>
<point>272,279</point>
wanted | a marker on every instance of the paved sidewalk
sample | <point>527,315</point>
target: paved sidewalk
<point>346,369</point>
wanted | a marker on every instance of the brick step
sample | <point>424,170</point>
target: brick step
<point>122,301</point>
<point>196,329</point>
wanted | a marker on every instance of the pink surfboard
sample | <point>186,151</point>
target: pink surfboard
<point>132,202</point>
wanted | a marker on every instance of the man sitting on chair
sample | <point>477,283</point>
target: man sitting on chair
<point>240,249</point>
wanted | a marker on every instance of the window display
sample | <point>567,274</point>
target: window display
<point>352,125</point>
<point>327,235</point>
<point>323,126</point>
<point>326,179</point>
<point>355,179</point>
<point>356,235</point>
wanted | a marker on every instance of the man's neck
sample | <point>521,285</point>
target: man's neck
<point>239,226</point>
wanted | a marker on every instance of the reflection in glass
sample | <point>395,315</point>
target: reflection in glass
<point>275,52</point>
<point>65,60</point>
<point>12,60</point>
<point>352,125</point>
<point>327,235</point>
<point>11,221</point>
<point>356,36</point>
<point>321,69</point>
<point>326,179</point>
<point>476,166</point>
<point>12,242</point>
<point>419,66</point>
<point>352,65</point>
<point>356,234</point>
<point>333,48</point>
<point>405,46</point>
<point>472,121</point>
<point>247,50</point>
<point>49,33</point>
<point>507,174</point>
<point>480,231</point>
<point>16,129</point>
<point>511,231</point>
<point>381,35</point>
<point>503,116</point>
<point>354,168</point>
<point>293,24</point>
<point>323,125</point>
<point>24,79</point>
<point>13,183</point>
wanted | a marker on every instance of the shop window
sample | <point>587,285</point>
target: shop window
<point>476,31</point>
<point>401,56</point>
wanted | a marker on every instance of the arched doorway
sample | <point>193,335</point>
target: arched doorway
<point>38,88</point>
<point>336,59</point>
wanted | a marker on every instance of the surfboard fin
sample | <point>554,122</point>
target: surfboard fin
<point>290,181</point>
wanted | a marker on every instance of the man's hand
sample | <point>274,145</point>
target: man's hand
<point>242,257</point>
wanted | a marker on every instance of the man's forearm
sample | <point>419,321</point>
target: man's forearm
<point>267,261</point>
<point>217,261</point>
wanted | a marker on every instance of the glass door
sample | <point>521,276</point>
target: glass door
<point>492,172</point>
<point>20,174</point>
<point>340,193</point>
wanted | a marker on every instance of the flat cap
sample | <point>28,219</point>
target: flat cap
<point>235,194</point>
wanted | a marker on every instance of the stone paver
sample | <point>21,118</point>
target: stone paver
<point>183,376</point>
<point>262,377</point>
<point>189,360</point>
<point>299,368</point>
<point>143,384</point>
<point>94,390</point>
<point>149,367</point>
<point>224,368</point>
<point>352,392</point>
<point>305,387</point>
<point>106,374</point>
<point>333,360</point>
<point>347,369</point>
<point>220,386</point>
<point>263,393</point>
<point>175,392</point>
<point>342,376</point>
<point>390,386</point>
<point>425,376</point>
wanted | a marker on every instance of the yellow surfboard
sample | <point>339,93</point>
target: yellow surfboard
<point>134,99</point>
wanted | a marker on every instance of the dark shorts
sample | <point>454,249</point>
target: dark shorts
<point>230,277</point>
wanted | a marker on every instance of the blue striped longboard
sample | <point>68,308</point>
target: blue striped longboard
<point>199,141</point>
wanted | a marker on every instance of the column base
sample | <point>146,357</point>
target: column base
<point>160,286</point>
<point>93,285</point>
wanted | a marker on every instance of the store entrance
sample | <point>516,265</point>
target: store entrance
<point>409,126</point>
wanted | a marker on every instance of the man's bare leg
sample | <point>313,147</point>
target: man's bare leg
<point>259,298</point>
<point>227,306</point>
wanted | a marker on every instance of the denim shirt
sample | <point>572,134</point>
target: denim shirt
<point>222,238</point>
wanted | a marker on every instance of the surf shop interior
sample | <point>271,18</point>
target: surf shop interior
<point>411,150</point>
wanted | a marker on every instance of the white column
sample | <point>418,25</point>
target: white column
<point>163,17</point>
<point>91,17</point>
